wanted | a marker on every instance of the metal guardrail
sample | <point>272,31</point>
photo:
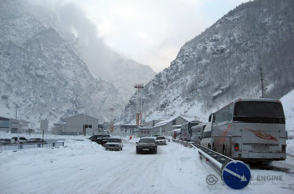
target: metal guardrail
<point>216,160</point>
<point>29,146</point>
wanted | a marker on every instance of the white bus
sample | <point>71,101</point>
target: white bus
<point>250,130</point>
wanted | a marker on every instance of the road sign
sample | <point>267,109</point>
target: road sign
<point>236,174</point>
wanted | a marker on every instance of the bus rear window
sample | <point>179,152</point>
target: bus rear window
<point>259,109</point>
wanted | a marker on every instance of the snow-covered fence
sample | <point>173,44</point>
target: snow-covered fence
<point>15,147</point>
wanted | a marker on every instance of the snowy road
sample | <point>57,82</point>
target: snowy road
<point>85,167</point>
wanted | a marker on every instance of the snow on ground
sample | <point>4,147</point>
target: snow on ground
<point>85,167</point>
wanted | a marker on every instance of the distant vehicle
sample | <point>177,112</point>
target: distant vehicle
<point>146,144</point>
<point>160,140</point>
<point>36,140</point>
<point>196,132</point>
<point>206,136</point>
<point>250,130</point>
<point>114,144</point>
<point>100,139</point>
<point>176,131</point>
<point>186,130</point>
<point>5,141</point>
<point>19,140</point>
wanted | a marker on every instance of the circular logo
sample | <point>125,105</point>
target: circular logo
<point>211,179</point>
<point>236,175</point>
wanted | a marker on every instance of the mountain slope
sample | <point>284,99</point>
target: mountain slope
<point>223,63</point>
<point>102,60</point>
<point>41,76</point>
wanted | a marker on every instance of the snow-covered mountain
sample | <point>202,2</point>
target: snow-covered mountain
<point>223,63</point>
<point>42,75</point>
<point>101,60</point>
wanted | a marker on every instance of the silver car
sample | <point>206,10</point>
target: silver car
<point>114,144</point>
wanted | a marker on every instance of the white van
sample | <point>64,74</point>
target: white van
<point>206,136</point>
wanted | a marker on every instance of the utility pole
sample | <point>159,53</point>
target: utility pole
<point>261,80</point>
<point>111,120</point>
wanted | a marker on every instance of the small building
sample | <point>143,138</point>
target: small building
<point>80,124</point>
<point>165,127</point>
<point>44,125</point>
<point>10,125</point>
<point>4,124</point>
<point>124,129</point>
<point>58,128</point>
<point>144,132</point>
<point>151,123</point>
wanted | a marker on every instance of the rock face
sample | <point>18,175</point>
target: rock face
<point>223,63</point>
<point>42,76</point>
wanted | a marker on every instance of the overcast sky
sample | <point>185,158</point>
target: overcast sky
<point>152,32</point>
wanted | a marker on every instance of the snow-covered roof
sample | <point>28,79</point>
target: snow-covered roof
<point>169,120</point>
<point>79,115</point>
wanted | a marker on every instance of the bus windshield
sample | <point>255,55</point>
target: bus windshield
<point>268,112</point>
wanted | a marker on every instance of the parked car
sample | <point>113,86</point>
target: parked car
<point>100,139</point>
<point>146,144</point>
<point>5,141</point>
<point>114,144</point>
<point>19,140</point>
<point>37,140</point>
<point>160,140</point>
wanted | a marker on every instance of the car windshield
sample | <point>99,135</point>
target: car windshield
<point>147,141</point>
<point>160,138</point>
<point>22,138</point>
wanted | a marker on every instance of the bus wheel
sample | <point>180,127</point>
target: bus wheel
<point>224,151</point>
<point>213,148</point>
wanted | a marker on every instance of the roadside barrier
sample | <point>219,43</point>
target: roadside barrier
<point>15,147</point>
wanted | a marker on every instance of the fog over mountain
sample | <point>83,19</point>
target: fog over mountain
<point>44,66</point>
<point>223,63</point>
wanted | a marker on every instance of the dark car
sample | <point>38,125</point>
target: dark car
<point>5,141</point>
<point>114,144</point>
<point>37,141</point>
<point>146,144</point>
<point>100,139</point>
